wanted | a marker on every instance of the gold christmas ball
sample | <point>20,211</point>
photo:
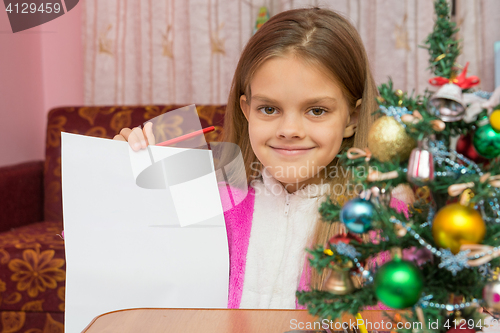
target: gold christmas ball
<point>387,139</point>
<point>495,120</point>
<point>455,225</point>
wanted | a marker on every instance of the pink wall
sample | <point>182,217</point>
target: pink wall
<point>40,68</point>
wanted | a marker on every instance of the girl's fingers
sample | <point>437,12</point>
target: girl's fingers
<point>125,132</point>
<point>136,139</point>
<point>119,137</point>
<point>148,133</point>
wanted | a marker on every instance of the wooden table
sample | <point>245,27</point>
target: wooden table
<point>215,321</point>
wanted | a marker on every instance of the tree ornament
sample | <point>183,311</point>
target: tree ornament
<point>454,263</point>
<point>466,196</point>
<point>462,81</point>
<point>491,295</point>
<point>416,117</point>
<point>486,140</point>
<point>398,284</point>
<point>381,195</point>
<point>338,280</point>
<point>466,148</point>
<point>496,273</point>
<point>421,165</point>
<point>262,18</point>
<point>447,103</point>
<point>388,139</point>
<point>423,194</point>
<point>357,215</point>
<point>405,193</point>
<point>399,230</point>
<point>495,120</point>
<point>345,238</point>
<point>483,259</point>
<point>455,225</point>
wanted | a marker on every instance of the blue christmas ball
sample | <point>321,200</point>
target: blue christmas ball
<point>357,215</point>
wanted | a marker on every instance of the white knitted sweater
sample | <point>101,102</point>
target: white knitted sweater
<point>281,228</point>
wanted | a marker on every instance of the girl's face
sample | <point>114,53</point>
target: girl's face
<point>297,118</point>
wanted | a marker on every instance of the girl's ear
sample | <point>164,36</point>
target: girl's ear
<point>352,120</point>
<point>244,106</point>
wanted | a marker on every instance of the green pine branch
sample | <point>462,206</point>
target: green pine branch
<point>441,44</point>
<point>328,306</point>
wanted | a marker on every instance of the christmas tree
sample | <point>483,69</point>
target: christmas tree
<point>430,205</point>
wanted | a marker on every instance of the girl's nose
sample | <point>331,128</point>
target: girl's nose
<point>290,126</point>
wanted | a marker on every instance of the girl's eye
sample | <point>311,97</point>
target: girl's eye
<point>318,111</point>
<point>267,110</point>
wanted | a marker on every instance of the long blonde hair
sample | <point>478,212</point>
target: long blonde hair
<point>322,37</point>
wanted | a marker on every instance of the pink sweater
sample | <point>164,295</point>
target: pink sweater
<point>238,225</point>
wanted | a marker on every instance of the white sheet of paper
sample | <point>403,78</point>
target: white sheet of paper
<point>125,246</point>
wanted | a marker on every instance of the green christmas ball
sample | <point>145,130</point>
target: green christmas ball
<point>487,141</point>
<point>398,284</point>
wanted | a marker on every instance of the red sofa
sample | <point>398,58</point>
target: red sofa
<point>32,263</point>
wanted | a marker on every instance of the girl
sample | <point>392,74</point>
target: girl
<point>302,92</point>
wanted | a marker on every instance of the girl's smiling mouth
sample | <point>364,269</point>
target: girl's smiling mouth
<point>291,151</point>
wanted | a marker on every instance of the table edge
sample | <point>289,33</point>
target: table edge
<point>197,309</point>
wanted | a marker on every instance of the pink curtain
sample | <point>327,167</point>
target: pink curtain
<point>185,51</point>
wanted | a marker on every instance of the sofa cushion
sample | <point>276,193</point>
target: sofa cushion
<point>32,268</point>
<point>31,322</point>
<point>21,194</point>
<point>104,122</point>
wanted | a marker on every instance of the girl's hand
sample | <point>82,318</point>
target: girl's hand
<point>137,138</point>
<point>493,101</point>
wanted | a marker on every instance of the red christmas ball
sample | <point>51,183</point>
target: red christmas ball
<point>345,238</point>
<point>466,148</point>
